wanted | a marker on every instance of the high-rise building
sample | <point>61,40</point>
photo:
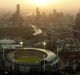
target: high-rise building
<point>38,16</point>
<point>16,18</point>
<point>18,9</point>
<point>37,12</point>
<point>77,24</point>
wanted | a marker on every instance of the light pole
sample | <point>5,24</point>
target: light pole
<point>57,44</point>
<point>44,62</point>
<point>57,51</point>
<point>3,53</point>
<point>13,64</point>
<point>44,43</point>
<point>21,43</point>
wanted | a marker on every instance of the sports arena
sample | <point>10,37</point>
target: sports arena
<point>26,59</point>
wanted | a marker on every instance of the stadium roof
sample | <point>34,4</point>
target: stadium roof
<point>7,41</point>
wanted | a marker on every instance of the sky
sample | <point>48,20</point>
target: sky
<point>71,6</point>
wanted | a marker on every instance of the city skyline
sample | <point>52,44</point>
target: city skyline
<point>67,6</point>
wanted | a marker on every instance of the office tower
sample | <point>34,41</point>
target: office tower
<point>17,19</point>
<point>18,10</point>
<point>38,16</point>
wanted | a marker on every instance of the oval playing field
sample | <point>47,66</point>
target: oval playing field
<point>30,56</point>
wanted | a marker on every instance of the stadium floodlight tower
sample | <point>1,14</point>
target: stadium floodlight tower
<point>21,43</point>
<point>58,47</point>
<point>44,43</point>
<point>44,56</point>
<point>3,52</point>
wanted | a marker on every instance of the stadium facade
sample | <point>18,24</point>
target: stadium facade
<point>30,59</point>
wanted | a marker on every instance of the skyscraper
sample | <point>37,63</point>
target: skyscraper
<point>16,18</point>
<point>18,10</point>
<point>38,16</point>
<point>37,12</point>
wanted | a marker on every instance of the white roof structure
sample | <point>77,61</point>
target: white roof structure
<point>37,30</point>
<point>7,41</point>
<point>9,44</point>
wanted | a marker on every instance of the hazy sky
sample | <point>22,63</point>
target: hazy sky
<point>60,5</point>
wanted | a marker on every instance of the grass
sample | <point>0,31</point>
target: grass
<point>31,59</point>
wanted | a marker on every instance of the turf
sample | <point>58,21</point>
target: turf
<point>32,59</point>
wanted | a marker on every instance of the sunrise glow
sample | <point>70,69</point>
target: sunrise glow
<point>41,3</point>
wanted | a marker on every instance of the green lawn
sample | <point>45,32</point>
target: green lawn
<point>31,59</point>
